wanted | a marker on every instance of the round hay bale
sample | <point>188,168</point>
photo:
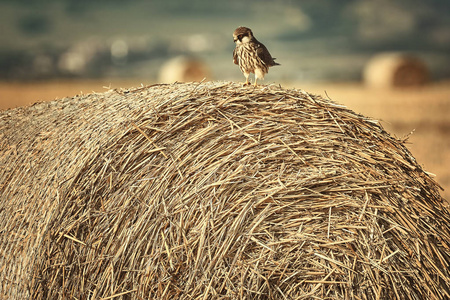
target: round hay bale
<point>183,69</point>
<point>389,70</point>
<point>214,191</point>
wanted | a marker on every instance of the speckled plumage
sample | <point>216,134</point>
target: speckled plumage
<point>251,55</point>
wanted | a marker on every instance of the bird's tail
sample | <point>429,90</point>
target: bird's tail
<point>275,63</point>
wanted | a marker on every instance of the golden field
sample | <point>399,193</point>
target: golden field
<point>420,113</point>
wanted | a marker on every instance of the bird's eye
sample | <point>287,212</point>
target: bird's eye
<point>240,36</point>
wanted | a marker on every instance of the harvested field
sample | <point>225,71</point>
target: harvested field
<point>395,70</point>
<point>216,191</point>
<point>423,111</point>
<point>420,115</point>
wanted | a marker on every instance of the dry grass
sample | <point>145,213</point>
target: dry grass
<point>214,191</point>
<point>422,110</point>
<point>419,114</point>
<point>17,94</point>
<point>395,69</point>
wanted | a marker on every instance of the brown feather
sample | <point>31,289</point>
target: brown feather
<point>264,54</point>
<point>235,57</point>
<point>251,55</point>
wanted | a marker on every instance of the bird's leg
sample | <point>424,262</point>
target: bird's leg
<point>255,84</point>
<point>246,79</point>
<point>258,74</point>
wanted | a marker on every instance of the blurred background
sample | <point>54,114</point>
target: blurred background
<point>387,59</point>
<point>312,39</point>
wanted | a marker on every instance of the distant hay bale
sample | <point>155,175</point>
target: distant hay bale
<point>388,70</point>
<point>214,191</point>
<point>183,69</point>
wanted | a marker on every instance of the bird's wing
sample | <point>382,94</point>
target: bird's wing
<point>235,57</point>
<point>264,55</point>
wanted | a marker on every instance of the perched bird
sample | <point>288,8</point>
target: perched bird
<point>251,55</point>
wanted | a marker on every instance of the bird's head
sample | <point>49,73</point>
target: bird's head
<point>242,35</point>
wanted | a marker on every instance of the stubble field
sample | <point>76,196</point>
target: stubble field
<point>421,114</point>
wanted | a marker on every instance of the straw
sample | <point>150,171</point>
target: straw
<point>214,191</point>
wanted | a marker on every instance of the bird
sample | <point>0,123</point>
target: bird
<point>251,55</point>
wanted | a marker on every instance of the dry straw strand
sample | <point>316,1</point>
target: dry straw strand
<point>211,190</point>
